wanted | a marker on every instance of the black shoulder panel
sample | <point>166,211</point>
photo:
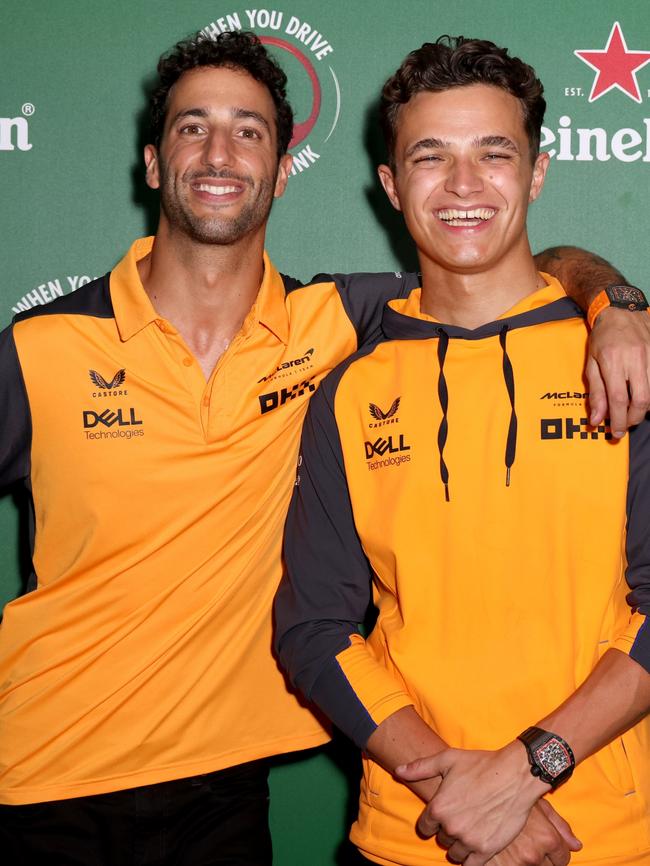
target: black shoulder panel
<point>291,283</point>
<point>365,295</point>
<point>331,382</point>
<point>15,442</point>
<point>93,299</point>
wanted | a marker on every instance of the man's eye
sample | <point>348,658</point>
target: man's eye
<point>191,129</point>
<point>429,157</point>
<point>495,157</point>
<point>249,132</point>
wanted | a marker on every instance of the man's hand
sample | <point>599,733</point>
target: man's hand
<point>483,802</point>
<point>546,840</point>
<point>618,369</point>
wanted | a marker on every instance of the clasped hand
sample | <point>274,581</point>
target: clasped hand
<point>487,803</point>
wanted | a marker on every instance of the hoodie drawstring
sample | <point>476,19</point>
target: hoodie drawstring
<point>509,378</point>
<point>443,397</point>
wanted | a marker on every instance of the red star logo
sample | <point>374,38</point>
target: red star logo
<point>616,66</point>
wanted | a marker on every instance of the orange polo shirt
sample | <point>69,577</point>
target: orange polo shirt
<point>143,651</point>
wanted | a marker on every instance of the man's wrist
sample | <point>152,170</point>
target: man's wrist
<point>550,757</point>
<point>530,788</point>
<point>619,296</point>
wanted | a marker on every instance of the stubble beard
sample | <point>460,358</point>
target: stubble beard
<point>217,229</point>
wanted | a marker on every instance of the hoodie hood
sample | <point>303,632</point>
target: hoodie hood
<point>403,320</point>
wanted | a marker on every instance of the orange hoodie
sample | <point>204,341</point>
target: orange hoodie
<point>453,472</point>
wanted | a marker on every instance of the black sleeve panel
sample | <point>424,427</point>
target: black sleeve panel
<point>15,443</point>
<point>333,693</point>
<point>326,589</point>
<point>364,297</point>
<point>638,537</point>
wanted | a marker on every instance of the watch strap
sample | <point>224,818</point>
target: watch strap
<point>599,303</point>
<point>611,296</point>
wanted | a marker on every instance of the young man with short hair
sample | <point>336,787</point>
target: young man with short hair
<point>488,522</point>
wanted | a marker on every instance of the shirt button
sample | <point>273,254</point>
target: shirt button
<point>187,362</point>
<point>206,401</point>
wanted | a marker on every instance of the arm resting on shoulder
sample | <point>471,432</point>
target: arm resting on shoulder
<point>618,363</point>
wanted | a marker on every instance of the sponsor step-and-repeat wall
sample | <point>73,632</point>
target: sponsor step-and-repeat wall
<point>72,128</point>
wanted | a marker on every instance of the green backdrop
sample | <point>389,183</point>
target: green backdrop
<point>71,104</point>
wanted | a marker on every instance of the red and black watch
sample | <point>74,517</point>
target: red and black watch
<point>621,296</point>
<point>550,757</point>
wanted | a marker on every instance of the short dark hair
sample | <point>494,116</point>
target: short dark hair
<point>233,50</point>
<point>458,62</point>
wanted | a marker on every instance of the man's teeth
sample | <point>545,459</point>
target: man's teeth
<point>473,217</point>
<point>216,190</point>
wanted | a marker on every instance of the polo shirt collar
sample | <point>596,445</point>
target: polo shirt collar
<point>134,311</point>
<point>131,305</point>
<point>270,308</point>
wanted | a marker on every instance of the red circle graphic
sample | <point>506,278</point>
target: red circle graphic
<point>301,130</point>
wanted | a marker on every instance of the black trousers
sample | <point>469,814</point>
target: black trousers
<point>220,819</point>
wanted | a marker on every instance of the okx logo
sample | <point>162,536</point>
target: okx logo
<point>272,400</point>
<point>573,428</point>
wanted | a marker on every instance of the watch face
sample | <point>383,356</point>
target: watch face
<point>553,757</point>
<point>627,296</point>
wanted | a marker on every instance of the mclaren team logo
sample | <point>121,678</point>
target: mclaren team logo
<point>286,368</point>
<point>306,55</point>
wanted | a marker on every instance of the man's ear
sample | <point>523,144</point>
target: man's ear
<point>284,168</point>
<point>539,174</point>
<point>387,179</point>
<point>152,169</point>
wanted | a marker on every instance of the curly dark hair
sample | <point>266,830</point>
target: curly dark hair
<point>234,50</point>
<point>458,62</point>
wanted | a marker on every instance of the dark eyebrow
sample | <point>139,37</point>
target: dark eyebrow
<point>496,141</point>
<point>237,113</point>
<point>253,115</point>
<point>189,112</point>
<point>426,144</point>
<point>484,141</point>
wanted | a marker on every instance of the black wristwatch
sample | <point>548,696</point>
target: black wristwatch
<point>623,297</point>
<point>550,757</point>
